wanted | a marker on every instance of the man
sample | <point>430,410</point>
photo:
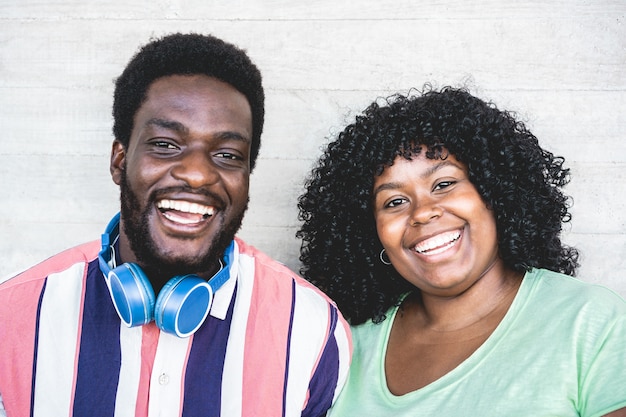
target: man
<point>170,314</point>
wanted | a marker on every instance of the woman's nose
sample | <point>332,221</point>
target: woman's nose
<point>425,211</point>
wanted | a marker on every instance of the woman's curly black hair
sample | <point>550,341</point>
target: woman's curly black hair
<point>517,179</point>
<point>187,54</point>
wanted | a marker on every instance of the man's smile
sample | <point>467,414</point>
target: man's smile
<point>184,212</point>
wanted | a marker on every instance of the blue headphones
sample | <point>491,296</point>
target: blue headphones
<point>183,303</point>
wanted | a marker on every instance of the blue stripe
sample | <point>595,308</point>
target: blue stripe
<point>32,390</point>
<point>324,382</point>
<point>100,352</point>
<point>203,378</point>
<point>286,377</point>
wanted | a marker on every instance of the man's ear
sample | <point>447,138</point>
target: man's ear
<point>118,161</point>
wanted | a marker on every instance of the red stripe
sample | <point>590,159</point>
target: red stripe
<point>149,343</point>
<point>18,345</point>
<point>18,318</point>
<point>266,343</point>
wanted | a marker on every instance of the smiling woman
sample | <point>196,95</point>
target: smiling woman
<point>451,240</point>
<point>473,309</point>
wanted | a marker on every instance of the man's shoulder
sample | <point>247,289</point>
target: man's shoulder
<point>277,288</point>
<point>262,259</point>
<point>269,271</point>
<point>58,263</point>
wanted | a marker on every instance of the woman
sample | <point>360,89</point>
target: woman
<point>434,222</point>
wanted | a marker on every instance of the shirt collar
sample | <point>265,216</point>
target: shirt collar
<point>224,295</point>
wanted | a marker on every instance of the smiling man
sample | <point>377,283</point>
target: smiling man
<point>170,314</point>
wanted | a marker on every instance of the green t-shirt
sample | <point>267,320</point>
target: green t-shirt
<point>559,351</point>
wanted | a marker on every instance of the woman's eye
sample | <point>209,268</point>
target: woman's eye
<point>443,184</point>
<point>395,202</point>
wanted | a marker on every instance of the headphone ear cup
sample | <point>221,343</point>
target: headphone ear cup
<point>132,294</point>
<point>183,304</point>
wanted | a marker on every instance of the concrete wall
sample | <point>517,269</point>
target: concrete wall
<point>560,64</point>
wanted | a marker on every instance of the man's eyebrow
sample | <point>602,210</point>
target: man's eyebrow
<point>168,124</point>
<point>181,128</point>
<point>230,135</point>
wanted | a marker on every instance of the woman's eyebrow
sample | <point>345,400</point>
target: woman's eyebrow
<point>430,171</point>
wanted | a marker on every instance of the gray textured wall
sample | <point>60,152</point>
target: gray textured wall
<point>560,64</point>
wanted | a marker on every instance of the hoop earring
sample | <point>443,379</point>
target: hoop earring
<point>382,257</point>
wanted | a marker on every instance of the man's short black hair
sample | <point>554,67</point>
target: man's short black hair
<point>187,54</point>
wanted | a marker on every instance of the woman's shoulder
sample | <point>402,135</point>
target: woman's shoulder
<point>565,293</point>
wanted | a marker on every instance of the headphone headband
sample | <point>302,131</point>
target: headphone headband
<point>183,303</point>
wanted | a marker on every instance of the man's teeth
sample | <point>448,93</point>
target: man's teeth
<point>186,207</point>
<point>438,244</point>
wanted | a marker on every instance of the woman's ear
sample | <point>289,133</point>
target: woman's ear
<point>118,161</point>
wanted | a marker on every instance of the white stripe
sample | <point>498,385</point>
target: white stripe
<point>166,381</point>
<point>343,346</point>
<point>309,334</point>
<point>58,338</point>
<point>232,379</point>
<point>3,412</point>
<point>130,370</point>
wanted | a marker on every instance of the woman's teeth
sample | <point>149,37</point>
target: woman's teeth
<point>437,244</point>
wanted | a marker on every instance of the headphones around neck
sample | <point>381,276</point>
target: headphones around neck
<point>182,304</point>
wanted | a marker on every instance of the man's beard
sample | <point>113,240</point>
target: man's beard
<point>155,265</point>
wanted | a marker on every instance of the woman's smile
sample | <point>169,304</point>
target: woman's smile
<point>438,243</point>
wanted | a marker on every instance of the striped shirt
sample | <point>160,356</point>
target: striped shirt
<point>273,345</point>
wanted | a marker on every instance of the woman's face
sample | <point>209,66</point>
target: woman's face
<point>437,231</point>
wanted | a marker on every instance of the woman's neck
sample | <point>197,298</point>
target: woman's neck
<point>490,295</point>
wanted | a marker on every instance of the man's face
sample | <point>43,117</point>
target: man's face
<point>184,176</point>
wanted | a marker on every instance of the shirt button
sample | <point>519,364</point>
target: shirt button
<point>164,379</point>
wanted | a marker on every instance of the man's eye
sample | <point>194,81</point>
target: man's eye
<point>164,144</point>
<point>228,155</point>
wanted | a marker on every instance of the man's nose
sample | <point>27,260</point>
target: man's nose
<point>196,168</point>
